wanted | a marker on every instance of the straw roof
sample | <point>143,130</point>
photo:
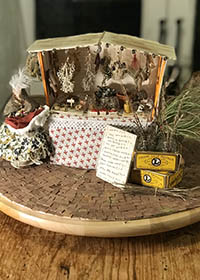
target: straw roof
<point>90,39</point>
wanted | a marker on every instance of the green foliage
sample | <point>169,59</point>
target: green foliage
<point>182,114</point>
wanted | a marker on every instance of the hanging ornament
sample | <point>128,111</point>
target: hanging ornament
<point>135,63</point>
<point>98,59</point>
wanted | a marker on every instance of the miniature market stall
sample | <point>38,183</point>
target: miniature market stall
<point>93,80</point>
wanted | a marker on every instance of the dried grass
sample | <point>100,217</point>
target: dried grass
<point>182,114</point>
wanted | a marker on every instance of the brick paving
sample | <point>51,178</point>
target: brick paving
<point>77,193</point>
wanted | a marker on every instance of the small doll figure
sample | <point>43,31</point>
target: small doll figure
<point>23,140</point>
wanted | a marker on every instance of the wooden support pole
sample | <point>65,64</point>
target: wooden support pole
<point>40,58</point>
<point>161,69</point>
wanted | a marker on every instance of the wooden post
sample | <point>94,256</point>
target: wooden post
<point>40,58</point>
<point>160,74</point>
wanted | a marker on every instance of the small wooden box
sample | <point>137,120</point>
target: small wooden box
<point>156,179</point>
<point>157,161</point>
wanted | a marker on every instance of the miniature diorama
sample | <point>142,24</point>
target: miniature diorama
<point>109,121</point>
<point>90,82</point>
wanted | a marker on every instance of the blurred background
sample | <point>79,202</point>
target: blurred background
<point>173,22</point>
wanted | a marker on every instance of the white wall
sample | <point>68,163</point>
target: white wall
<point>28,20</point>
<point>16,33</point>
<point>170,10</point>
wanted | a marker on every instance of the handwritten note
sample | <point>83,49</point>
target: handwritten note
<point>115,155</point>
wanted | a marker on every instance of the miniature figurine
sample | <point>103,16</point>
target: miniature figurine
<point>23,141</point>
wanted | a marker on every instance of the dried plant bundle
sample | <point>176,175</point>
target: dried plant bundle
<point>178,118</point>
<point>32,66</point>
<point>88,80</point>
<point>65,75</point>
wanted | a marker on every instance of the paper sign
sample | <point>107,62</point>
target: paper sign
<point>115,155</point>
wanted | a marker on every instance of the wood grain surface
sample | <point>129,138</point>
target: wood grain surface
<point>28,253</point>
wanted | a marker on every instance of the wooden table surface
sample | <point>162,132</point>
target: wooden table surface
<point>28,253</point>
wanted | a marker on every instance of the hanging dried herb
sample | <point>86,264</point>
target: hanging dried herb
<point>89,77</point>
<point>65,75</point>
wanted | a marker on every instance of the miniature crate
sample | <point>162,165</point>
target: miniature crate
<point>156,179</point>
<point>157,161</point>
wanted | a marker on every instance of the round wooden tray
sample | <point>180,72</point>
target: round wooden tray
<point>75,201</point>
<point>95,228</point>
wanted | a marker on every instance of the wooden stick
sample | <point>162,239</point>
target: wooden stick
<point>43,77</point>
<point>160,74</point>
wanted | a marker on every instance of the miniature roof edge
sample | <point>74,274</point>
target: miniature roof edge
<point>140,44</point>
<point>68,42</point>
<point>89,39</point>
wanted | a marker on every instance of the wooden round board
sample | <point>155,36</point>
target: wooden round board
<point>75,201</point>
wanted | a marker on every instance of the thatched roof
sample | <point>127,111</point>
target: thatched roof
<point>91,39</point>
